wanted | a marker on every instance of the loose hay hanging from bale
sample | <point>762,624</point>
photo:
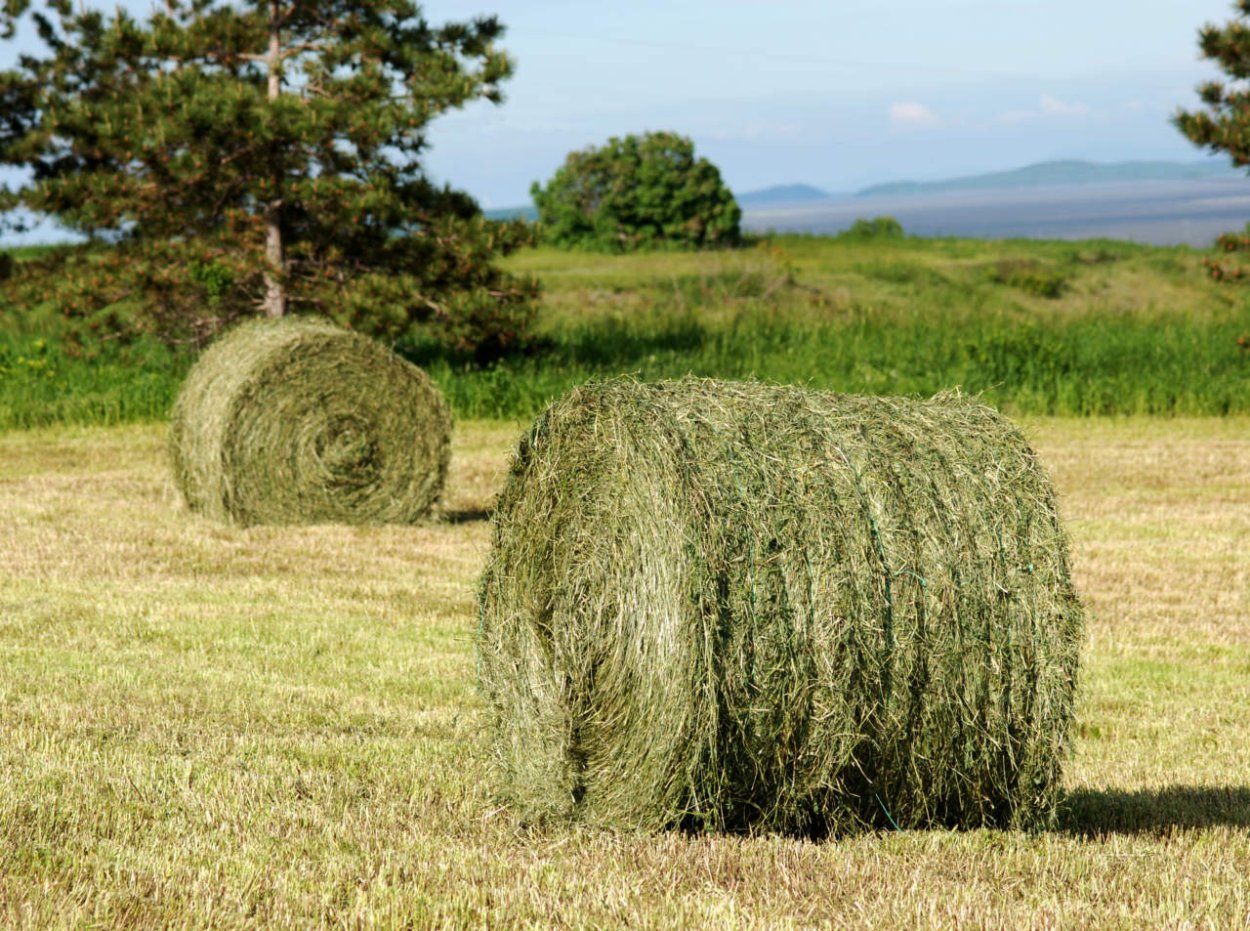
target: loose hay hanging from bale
<point>744,607</point>
<point>295,421</point>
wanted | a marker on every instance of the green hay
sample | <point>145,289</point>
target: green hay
<point>295,421</point>
<point>744,607</point>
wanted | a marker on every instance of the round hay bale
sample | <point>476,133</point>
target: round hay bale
<point>744,607</point>
<point>296,421</point>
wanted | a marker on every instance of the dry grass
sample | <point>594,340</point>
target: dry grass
<point>205,725</point>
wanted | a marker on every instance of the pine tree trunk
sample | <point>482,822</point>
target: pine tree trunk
<point>275,291</point>
<point>274,304</point>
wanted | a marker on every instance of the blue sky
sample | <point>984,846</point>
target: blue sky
<point>839,94</point>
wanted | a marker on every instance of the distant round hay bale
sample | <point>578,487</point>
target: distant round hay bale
<point>744,607</point>
<point>296,421</point>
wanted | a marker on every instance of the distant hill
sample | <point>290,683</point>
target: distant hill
<point>781,194</point>
<point>512,213</point>
<point>1064,172</point>
<point>1043,173</point>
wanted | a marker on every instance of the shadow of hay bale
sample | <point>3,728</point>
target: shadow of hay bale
<point>468,516</point>
<point>1096,812</point>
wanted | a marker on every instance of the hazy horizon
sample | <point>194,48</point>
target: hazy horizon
<point>1163,213</point>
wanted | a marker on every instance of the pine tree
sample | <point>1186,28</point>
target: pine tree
<point>1224,124</point>
<point>259,156</point>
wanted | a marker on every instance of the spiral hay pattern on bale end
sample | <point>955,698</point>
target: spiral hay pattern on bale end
<point>744,607</point>
<point>295,421</point>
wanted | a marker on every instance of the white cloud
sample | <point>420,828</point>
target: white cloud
<point>1053,106</point>
<point>1047,106</point>
<point>913,114</point>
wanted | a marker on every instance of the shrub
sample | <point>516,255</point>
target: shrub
<point>635,193</point>
<point>1031,277</point>
<point>876,228</point>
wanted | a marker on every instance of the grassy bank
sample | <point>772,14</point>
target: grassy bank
<point>41,384</point>
<point>1036,327</point>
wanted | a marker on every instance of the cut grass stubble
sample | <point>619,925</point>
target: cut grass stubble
<point>202,724</point>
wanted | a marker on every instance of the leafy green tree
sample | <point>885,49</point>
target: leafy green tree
<point>257,156</point>
<point>638,192</point>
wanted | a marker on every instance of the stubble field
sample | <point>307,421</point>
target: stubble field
<point>279,727</point>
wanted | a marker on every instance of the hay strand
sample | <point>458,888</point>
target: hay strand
<point>745,607</point>
<point>295,421</point>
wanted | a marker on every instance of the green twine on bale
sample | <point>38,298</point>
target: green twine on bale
<point>296,421</point>
<point>740,607</point>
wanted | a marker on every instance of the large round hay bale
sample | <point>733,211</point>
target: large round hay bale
<point>296,421</point>
<point>744,607</point>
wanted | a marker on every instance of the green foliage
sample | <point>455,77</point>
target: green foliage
<point>1221,126</point>
<point>1132,331</point>
<point>1031,277</point>
<point>638,193</point>
<point>215,277</point>
<point>41,384</point>
<point>234,151</point>
<point>1228,265</point>
<point>876,228</point>
<point>721,288</point>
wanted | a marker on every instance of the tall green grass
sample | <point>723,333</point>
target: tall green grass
<point>1095,364</point>
<point>42,384</point>
<point>1034,327</point>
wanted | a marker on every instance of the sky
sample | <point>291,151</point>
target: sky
<point>838,94</point>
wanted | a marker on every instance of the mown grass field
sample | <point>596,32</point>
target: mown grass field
<point>208,726</point>
<point>1039,328</point>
